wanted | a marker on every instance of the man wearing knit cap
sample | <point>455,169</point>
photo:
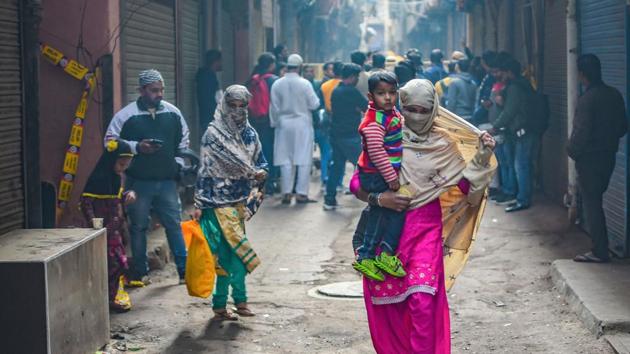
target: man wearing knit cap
<point>155,130</point>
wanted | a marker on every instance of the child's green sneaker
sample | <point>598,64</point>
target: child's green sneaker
<point>390,265</point>
<point>369,269</point>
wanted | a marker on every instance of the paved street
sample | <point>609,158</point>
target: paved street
<point>503,302</point>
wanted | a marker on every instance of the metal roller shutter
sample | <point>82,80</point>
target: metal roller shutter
<point>555,170</point>
<point>12,203</point>
<point>191,52</point>
<point>148,39</point>
<point>603,33</point>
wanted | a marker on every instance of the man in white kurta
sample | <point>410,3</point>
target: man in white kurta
<point>292,101</point>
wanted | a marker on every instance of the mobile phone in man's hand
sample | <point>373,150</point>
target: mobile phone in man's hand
<point>150,146</point>
<point>156,142</point>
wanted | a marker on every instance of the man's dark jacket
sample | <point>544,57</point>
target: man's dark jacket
<point>600,121</point>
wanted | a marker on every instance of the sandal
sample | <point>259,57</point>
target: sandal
<point>118,308</point>
<point>224,315</point>
<point>589,258</point>
<point>243,310</point>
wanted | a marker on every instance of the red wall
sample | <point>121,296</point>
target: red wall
<point>60,93</point>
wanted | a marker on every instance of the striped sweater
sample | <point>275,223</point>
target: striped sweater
<point>381,134</point>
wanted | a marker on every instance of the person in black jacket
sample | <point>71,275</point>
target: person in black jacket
<point>155,131</point>
<point>410,68</point>
<point>208,89</point>
<point>599,123</point>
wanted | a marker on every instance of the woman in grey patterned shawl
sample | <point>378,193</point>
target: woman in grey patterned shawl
<point>228,192</point>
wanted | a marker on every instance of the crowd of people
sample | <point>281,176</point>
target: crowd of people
<point>418,137</point>
<point>487,91</point>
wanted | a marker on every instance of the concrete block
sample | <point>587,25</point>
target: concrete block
<point>598,293</point>
<point>54,291</point>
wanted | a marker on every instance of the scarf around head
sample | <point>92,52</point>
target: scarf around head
<point>431,161</point>
<point>437,154</point>
<point>233,120</point>
<point>103,182</point>
<point>224,152</point>
<point>230,149</point>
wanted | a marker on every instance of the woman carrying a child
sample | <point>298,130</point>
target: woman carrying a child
<point>446,167</point>
<point>228,192</point>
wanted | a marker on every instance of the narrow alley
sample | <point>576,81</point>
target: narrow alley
<point>503,302</point>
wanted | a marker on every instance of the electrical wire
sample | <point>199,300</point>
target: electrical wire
<point>118,30</point>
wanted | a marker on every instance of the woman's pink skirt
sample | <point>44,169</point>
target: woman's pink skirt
<point>410,314</point>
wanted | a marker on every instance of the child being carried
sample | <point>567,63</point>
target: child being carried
<point>379,165</point>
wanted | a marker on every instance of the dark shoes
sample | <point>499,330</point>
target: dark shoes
<point>300,199</point>
<point>118,308</point>
<point>221,315</point>
<point>493,193</point>
<point>243,310</point>
<point>590,258</point>
<point>303,199</point>
<point>516,207</point>
<point>503,199</point>
<point>330,205</point>
<point>286,199</point>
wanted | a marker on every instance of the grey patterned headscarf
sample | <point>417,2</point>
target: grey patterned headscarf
<point>225,154</point>
<point>233,119</point>
<point>150,76</point>
<point>230,149</point>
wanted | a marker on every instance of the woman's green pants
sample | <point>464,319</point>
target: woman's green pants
<point>228,260</point>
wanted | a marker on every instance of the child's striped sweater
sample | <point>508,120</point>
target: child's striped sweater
<point>381,133</point>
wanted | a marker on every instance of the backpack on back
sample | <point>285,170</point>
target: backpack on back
<point>259,104</point>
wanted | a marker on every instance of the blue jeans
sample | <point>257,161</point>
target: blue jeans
<point>523,150</point>
<point>344,149</point>
<point>161,197</point>
<point>323,141</point>
<point>505,156</point>
<point>381,226</point>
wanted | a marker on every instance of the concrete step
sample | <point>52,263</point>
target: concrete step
<point>598,293</point>
<point>619,342</point>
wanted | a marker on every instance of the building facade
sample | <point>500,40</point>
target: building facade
<point>112,40</point>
